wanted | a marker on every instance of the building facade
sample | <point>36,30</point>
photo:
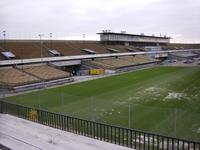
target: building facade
<point>132,39</point>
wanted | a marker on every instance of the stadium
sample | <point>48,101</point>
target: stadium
<point>138,91</point>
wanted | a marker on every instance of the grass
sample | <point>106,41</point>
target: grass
<point>164,100</point>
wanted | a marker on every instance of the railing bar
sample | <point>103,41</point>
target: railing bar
<point>108,133</point>
<point>119,136</point>
<point>162,143</point>
<point>131,137</point>
<point>135,139</point>
<point>88,129</point>
<point>144,147</point>
<point>127,139</point>
<point>158,144</point>
<point>167,143</point>
<point>194,146</point>
<point>188,145</point>
<point>139,140</point>
<point>111,134</point>
<point>177,144</point>
<point>104,132</point>
<point>100,135</point>
<point>148,141</point>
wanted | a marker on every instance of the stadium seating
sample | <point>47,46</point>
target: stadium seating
<point>172,46</point>
<point>64,48</point>
<point>32,48</point>
<point>29,49</point>
<point>14,77</point>
<point>45,72</point>
<point>115,63</point>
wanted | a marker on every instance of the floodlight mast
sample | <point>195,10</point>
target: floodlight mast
<point>41,51</point>
<point>41,55</point>
<point>4,39</point>
<point>51,41</point>
<point>83,38</point>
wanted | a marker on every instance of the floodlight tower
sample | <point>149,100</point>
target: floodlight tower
<point>83,36</point>
<point>41,55</point>
<point>51,41</point>
<point>84,39</point>
<point>41,52</point>
<point>4,39</point>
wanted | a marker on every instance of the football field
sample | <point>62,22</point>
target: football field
<point>164,100</point>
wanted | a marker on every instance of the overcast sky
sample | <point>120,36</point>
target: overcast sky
<point>70,19</point>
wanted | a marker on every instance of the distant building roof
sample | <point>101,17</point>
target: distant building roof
<point>8,54</point>
<point>138,35</point>
<point>131,50</point>
<point>54,52</point>
<point>112,50</point>
<point>89,51</point>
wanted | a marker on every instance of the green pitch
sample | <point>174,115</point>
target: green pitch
<point>164,100</point>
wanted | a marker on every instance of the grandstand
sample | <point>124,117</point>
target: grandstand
<point>24,49</point>
<point>172,46</point>
<point>45,72</point>
<point>15,77</point>
<point>120,62</point>
<point>21,50</point>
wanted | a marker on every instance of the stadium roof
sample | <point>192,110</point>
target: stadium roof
<point>66,63</point>
<point>80,57</point>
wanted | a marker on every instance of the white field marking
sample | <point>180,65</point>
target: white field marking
<point>154,90</point>
<point>119,103</point>
<point>173,95</point>
<point>151,91</point>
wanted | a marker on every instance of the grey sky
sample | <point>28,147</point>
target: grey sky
<point>69,19</point>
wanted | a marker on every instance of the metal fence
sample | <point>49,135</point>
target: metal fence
<point>136,139</point>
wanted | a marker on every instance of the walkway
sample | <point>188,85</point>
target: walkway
<point>20,134</point>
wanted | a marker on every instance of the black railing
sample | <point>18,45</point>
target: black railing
<point>118,135</point>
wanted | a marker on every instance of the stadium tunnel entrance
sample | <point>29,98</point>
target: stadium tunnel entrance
<point>69,66</point>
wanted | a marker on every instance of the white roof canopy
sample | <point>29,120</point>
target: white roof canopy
<point>113,50</point>
<point>89,51</point>
<point>54,52</point>
<point>8,54</point>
